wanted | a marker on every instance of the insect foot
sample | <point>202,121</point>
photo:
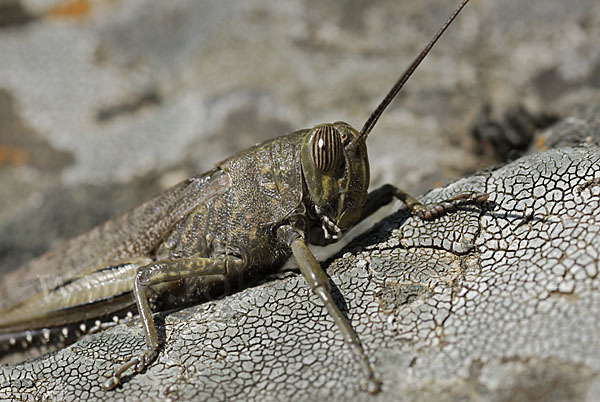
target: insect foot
<point>139,363</point>
<point>433,211</point>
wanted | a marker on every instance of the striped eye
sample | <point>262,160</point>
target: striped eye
<point>326,148</point>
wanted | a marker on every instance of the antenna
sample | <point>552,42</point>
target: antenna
<point>370,123</point>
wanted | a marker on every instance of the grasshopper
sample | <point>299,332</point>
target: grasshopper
<point>243,218</point>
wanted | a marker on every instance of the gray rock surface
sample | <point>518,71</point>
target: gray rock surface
<point>499,304</point>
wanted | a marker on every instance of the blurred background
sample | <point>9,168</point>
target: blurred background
<point>105,103</point>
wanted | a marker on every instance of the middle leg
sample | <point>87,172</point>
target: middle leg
<point>162,272</point>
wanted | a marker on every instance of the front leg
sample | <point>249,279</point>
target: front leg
<point>386,193</point>
<point>319,283</point>
<point>162,272</point>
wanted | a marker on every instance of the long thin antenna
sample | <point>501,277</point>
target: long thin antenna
<point>370,123</point>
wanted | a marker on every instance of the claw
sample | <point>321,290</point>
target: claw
<point>139,367</point>
<point>372,386</point>
<point>143,361</point>
<point>111,383</point>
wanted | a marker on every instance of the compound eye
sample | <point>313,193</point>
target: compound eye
<point>327,149</point>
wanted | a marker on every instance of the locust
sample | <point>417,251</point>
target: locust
<point>242,219</point>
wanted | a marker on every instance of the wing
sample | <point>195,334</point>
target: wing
<point>130,237</point>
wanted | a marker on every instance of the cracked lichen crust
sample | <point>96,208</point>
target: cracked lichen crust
<point>493,304</point>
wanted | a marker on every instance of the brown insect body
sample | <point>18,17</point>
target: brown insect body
<point>239,204</point>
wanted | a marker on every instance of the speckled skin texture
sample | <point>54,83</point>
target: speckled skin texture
<point>499,305</point>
